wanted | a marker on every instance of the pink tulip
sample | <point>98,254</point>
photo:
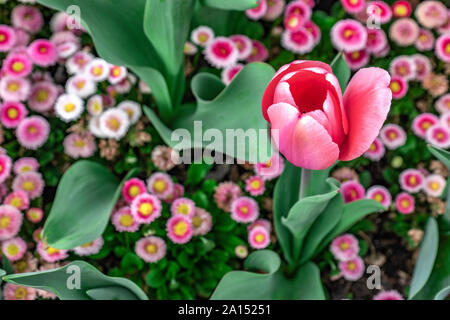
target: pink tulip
<point>313,124</point>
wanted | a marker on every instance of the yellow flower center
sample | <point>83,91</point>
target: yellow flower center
<point>32,130</point>
<point>20,293</point>
<point>180,228</point>
<point>116,72</point>
<point>440,136</point>
<point>2,37</point>
<point>126,220</point>
<point>197,221</point>
<point>51,250</point>
<point>405,203</point>
<point>4,222</point>
<point>159,185</point>
<point>447,48</point>
<point>401,10</point>
<point>42,95</point>
<point>69,107</point>
<point>87,245</point>
<point>348,33</point>
<point>373,147</point>
<point>28,186</point>
<point>18,66</point>
<point>351,266</point>
<point>183,209</point>
<point>426,125</point>
<point>355,55</point>
<point>16,202</point>
<point>13,249</point>
<point>80,84</point>
<point>353,2</point>
<point>34,215</point>
<point>151,248</point>
<point>13,86</point>
<point>344,246</point>
<point>13,113</point>
<point>133,191</point>
<point>146,209</point>
<point>392,135</point>
<point>293,22</point>
<point>259,238</point>
<point>203,37</point>
<point>413,180</point>
<point>434,186</point>
<point>97,71</point>
<point>114,124</point>
<point>43,49</point>
<point>244,209</point>
<point>255,184</point>
<point>395,86</point>
<point>79,143</point>
<point>378,197</point>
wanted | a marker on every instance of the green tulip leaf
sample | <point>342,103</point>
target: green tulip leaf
<point>231,4</point>
<point>2,273</point>
<point>441,154</point>
<point>341,70</point>
<point>79,280</point>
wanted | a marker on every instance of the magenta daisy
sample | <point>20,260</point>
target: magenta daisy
<point>376,40</point>
<point>244,210</point>
<point>151,249</point>
<point>160,184</point>
<point>14,89</point>
<point>314,30</point>
<point>5,167</point>
<point>97,69</point>
<point>353,269</point>
<point>17,65</point>
<point>201,222</point>
<point>90,248</point>
<point>258,12</point>
<point>35,215</point>
<point>393,136</point>
<point>123,220</point>
<point>25,164</point>
<point>183,206</point>
<point>261,223</point>
<point>27,18</point>
<point>383,53</point>
<point>274,9</point>
<point>391,294</point>
<point>439,136</point>
<point>423,66</point>
<point>405,203</point>
<point>299,7</point>
<point>399,87</point>
<point>221,52</point>
<point>442,105</point>
<point>14,249</point>
<point>117,74</point>
<point>43,52</point>
<point>33,132</point>
<point>442,49</point>
<point>146,208</point>
<point>402,66</point>
<point>132,188</point>
<point>16,292</point>
<point>345,247</point>
<point>10,221</point>
<point>423,122</point>
<point>298,41</point>
<point>255,186</point>
<point>434,185</point>
<point>271,169</point>
<point>225,194</point>
<point>404,32</point>
<point>243,45</point>
<point>259,52</point>
<point>78,62</point>
<point>425,40</point>
<point>178,191</point>
<point>376,150</point>
<point>357,59</point>
<point>12,113</point>
<point>258,237</point>
<point>353,6</point>
<point>381,9</point>
<point>202,36</point>
<point>7,38</point>
<point>431,14</point>
<point>445,120</point>
<point>293,22</point>
<point>401,9</point>
<point>79,145</point>
<point>352,191</point>
<point>179,229</point>
<point>18,199</point>
<point>229,73</point>
<point>43,96</point>
<point>380,194</point>
<point>348,35</point>
<point>49,254</point>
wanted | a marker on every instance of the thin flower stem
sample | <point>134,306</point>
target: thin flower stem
<point>304,182</point>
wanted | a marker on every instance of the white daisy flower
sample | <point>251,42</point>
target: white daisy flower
<point>132,109</point>
<point>81,86</point>
<point>114,123</point>
<point>97,70</point>
<point>95,105</point>
<point>69,107</point>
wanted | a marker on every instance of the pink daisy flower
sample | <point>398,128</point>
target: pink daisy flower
<point>393,136</point>
<point>160,184</point>
<point>117,74</point>
<point>43,96</point>
<point>348,35</point>
<point>244,210</point>
<point>299,41</point>
<point>225,194</point>
<point>90,248</point>
<point>445,28</point>
<point>189,49</point>
<point>255,186</point>
<point>33,132</point>
<point>179,229</point>
<point>16,292</point>
<point>221,52</point>
<point>43,52</point>
<point>411,180</point>
<point>405,203</point>
<point>376,150</point>
<point>7,38</point>
<point>5,167</point>
<point>25,164</point>
<point>439,136</point>
<point>132,188</point>
<point>445,120</point>
<point>27,18</point>
<point>259,52</point>
<point>425,40</point>
<point>146,208</point>
<point>274,9</point>
<point>345,247</point>
<point>151,249</point>
<point>59,22</point>
<point>17,65</point>
<point>35,215</point>
<point>67,49</point>
<point>241,251</point>
<point>49,254</point>
<point>388,295</point>
<point>434,185</point>
<point>353,6</point>
<point>423,122</point>
<point>381,9</point>
<point>314,30</point>
<point>10,222</point>
<point>442,105</point>
<point>14,89</point>
<point>14,249</point>
<point>261,223</point>
<point>81,85</point>
<point>259,237</point>
<point>178,191</point>
<point>442,49</point>
<point>299,7</point>
<point>404,32</point>
<point>376,40</point>
<point>201,222</point>
<point>423,66</point>
<point>183,206</point>
<point>243,45</point>
<point>78,62</point>
<point>401,9</point>
<point>22,38</point>
<point>258,12</point>
<point>12,113</point>
<point>353,269</point>
<point>402,66</point>
<point>383,53</point>
<point>79,146</point>
<point>399,87</point>
<point>357,59</point>
<point>30,182</point>
<point>431,14</point>
<point>97,69</point>
<point>293,22</point>
<point>37,235</point>
<point>229,73</point>
<point>123,220</point>
<point>18,199</point>
<point>202,36</point>
<point>380,194</point>
<point>352,191</point>
<point>271,169</point>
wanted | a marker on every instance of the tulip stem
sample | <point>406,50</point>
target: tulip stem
<point>304,182</point>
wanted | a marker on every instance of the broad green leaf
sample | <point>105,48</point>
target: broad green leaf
<point>318,183</point>
<point>302,216</point>
<point>266,261</point>
<point>84,200</point>
<point>341,70</point>
<point>231,4</point>
<point>155,278</point>
<point>64,283</point>
<point>442,155</point>
<point>285,196</point>
<point>197,172</point>
<point>2,273</point>
<point>427,257</point>
<point>6,265</point>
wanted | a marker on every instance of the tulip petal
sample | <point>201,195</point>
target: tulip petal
<point>367,101</point>
<point>283,94</point>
